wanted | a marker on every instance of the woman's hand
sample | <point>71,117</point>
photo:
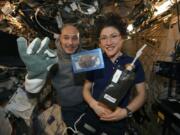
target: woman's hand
<point>99,109</point>
<point>118,114</point>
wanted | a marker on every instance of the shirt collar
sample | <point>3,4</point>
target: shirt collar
<point>118,58</point>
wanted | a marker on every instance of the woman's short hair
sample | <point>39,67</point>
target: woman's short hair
<point>112,20</point>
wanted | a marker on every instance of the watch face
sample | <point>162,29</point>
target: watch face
<point>129,112</point>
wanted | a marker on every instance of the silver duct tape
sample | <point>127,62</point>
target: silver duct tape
<point>89,128</point>
<point>79,133</point>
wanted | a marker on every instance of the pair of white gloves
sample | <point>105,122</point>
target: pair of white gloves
<point>38,59</point>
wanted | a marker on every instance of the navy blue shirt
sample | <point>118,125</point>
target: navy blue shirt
<point>101,78</point>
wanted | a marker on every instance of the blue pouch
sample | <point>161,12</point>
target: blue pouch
<point>87,60</point>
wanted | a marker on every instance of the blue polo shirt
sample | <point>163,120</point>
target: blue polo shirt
<point>102,77</point>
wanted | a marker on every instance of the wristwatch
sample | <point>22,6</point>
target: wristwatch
<point>129,112</point>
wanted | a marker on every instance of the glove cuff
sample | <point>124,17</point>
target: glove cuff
<point>34,85</point>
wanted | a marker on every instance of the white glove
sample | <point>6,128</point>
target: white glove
<point>38,59</point>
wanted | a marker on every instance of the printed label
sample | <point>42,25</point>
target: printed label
<point>109,98</point>
<point>116,76</point>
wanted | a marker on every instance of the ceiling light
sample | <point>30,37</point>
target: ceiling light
<point>130,27</point>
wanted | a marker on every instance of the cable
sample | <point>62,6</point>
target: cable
<point>75,131</point>
<point>36,13</point>
<point>76,122</point>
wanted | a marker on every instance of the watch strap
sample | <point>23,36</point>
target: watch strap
<point>129,112</point>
